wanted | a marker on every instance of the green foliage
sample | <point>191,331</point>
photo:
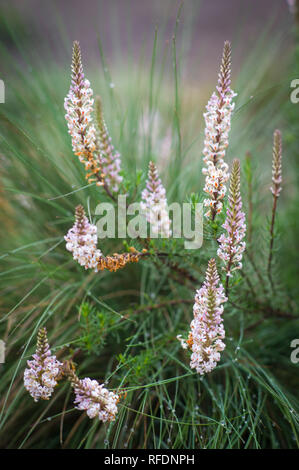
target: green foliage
<point>137,367</point>
<point>95,326</point>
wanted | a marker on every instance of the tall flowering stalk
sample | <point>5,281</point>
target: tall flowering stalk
<point>110,159</point>
<point>94,398</point>
<point>44,370</point>
<point>218,123</point>
<point>275,188</point>
<point>231,245</point>
<point>81,241</point>
<point>207,331</point>
<point>154,203</point>
<point>79,107</point>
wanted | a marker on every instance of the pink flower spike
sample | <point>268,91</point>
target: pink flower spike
<point>82,241</point>
<point>94,398</point>
<point>232,246</point>
<point>42,374</point>
<point>154,203</point>
<point>207,331</point>
<point>218,121</point>
<point>110,159</point>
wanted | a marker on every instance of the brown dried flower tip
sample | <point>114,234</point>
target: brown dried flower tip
<point>118,261</point>
<point>276,164</point>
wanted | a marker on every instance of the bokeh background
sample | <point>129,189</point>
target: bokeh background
<point>127,27</point>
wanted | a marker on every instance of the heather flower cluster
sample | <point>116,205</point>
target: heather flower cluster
<point>45,370</point>
<point>110,159</point>
<point>154,204</point>
<point>231,243</point>
<point>42,374</point>
<point>217,126</point>
<point>79,107</point>
<point>81,241</point>
<point>207,331</point>
<point>94,398</point>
